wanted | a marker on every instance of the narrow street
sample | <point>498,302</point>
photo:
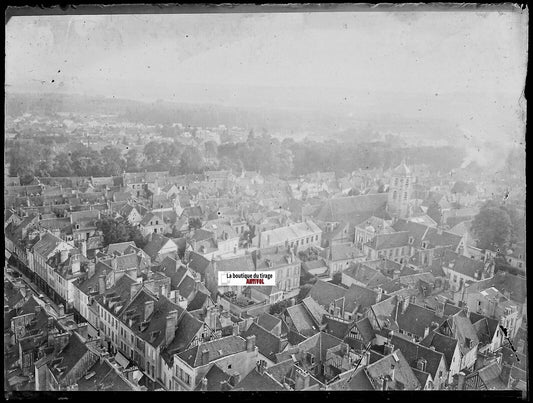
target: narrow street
<point>35,289</point>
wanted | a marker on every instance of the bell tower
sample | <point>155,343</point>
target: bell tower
<point>400,188</point>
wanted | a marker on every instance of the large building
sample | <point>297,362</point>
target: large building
<point>400,188</point>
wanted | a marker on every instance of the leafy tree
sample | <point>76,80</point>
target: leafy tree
<point>192,160</point>
<point>195,223</point>
<point>115,231</point>
<point>493,227</point>
<point>279,307</point>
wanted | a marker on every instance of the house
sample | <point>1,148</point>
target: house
<point>84,223</point>
<point>152,223</point>
<point>268,344</point>
<point>392,372</point>
<point>340,256</point>
<point>231,353</point>
<point>363,275</point>
<point>159,247</point>
<point>423,359</point>
<point>394,246</point>
<point>259,380</point>
<point>460,269</point>
<point>302,235</point>
<point>368,229</point>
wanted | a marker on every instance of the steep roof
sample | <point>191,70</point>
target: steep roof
<point>415,319</point>
<point>218,348</point>
<point>302,320</point>
<point>353,209</point>
<point>255,381</point>
<point>47,244</point>
<point>443,344</point>
<point>413,351</point>
<point>267,343</point>
<point>388,241</point>
<point>215,376</point>
<point>402,370</point>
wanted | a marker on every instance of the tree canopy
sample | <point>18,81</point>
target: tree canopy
<point>493,227</point>
<point>116,231</point>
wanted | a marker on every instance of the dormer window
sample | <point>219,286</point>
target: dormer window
<point>411,240</point>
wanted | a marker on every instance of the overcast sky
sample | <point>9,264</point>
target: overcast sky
<point>482,55</point>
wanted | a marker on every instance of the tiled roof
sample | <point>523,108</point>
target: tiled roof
<point>214,377</point>
<point>443,344</point>
<point>267,343</point>
<point>387,241</point>
<point>462,264</point>
<point>268,321</point>
<point>293,231</point>
<point>354,209</point>
<point>198,301</point>
<point>302,320</point>
<point>187,329</point>
<point>336,327</point>
<point>402,370</point>
<point>240,263</point>
<point>119,247</point>
<point>351,380</point>
<point>365,330</point>
<point>47,244</point>
<point>413,351</point>
<point>255,381</point>
<point>153,247</point>
<point>416,319</point>
<point>218,348</point>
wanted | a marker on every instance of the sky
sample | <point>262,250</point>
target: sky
<point>472,60</point>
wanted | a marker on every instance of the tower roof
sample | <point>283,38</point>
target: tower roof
<point>402,169</point>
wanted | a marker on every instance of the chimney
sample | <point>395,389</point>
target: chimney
<point>61,310</point>
<point>203,387</point>
<point>135,287</point>
<point>90,269</point>
<point>170,328</point>
<point>114,263</point>
<point>101,284</point>
<point>148,309</point>
<point>250,343</point>
<point>205,356</point>
<point>235,329</point>
<point>63,256</point>
<point>75,264</point>
<point>421,364</point>
<point>302,380</point>
<point>387,348</point>
<point>461,381</point>
<point>405,304</point>
<point>235,379</point>
<point>84,248</point>
<point>37,309</point>
<point>379,295</point>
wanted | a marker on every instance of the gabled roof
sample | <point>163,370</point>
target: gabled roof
<point>153,247</point>
<point>267,343</point>
<point>218,348</point>
<point>443,344</point>
<point>365,329</point>
<point>302,320</point>
<point>402,370</point>
<point>415,319</point>
<point>354,209</point>
<point>119,247</point>
<point>215,376</point>
<point>255,381</point>
<point>462,264</point>
<point>351,380</point>
<point>387,241</point>
<point>268,321</point>
<point>47,244</point>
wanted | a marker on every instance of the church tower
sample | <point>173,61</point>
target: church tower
<point>400,192</point>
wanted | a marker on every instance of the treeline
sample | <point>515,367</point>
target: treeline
<point>261,152</point>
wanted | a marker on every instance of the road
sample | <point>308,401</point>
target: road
<point>35,289</point>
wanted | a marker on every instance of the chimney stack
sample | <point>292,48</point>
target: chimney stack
<point>63,256</point>
<point>461,381</point>
<point>91,267</point>
<point>61,308</point>
<point>205,356</point>
<point>170,328</point>
<point>75,264</point>
<point>101,284</point>
<point>148,309</point>
<point>114,264</point>
<point>84,248</point>
<point>250,343</point>
<point>204,384</point>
